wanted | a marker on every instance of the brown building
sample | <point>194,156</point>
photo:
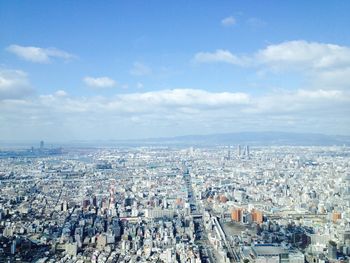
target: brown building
<point>336,216</point>
<point>257,216</point>
<point>236,214</point>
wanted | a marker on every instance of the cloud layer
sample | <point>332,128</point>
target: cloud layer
<point>324,65</point>
<point>37,54</point>
<point>296,55</point>
<point>178,111</point>
<point>14,84</point>
<point>304,55</point>
<point>100,82</point>
<point>223,56</point>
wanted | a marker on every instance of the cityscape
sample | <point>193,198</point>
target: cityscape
<point>174,204</point>
<point>179,131</point>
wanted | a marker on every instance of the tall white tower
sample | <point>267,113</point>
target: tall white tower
<point>346,193</point>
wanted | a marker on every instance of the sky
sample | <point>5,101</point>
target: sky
<point>111,70</point>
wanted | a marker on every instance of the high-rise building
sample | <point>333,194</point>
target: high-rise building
<point>239,150</point>
<point>41,145</point>
<point>247,151</point>
<point>236,214</point>
<point>346,192</point>
<point>94,201</point>
<point>64,206</point>
<point>332,250</point>
<point>257,216</point>
<point>13,247</point>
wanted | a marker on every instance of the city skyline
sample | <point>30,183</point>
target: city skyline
<point>224,204</point>
<point>128,70</point>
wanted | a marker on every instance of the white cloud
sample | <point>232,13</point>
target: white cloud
<point>61,93</point>
<point>219,55</point>
<point>140,69</point>
<point>323,65</point>
<point>287,55</point>
<point>37,54</point>
<point>338,77</point>
<point>306,104</point>
<point>14,84</point>
<point>228,21</point>
<point>100,82</point>
<point>320,94</point>
<point>304,55</point>
<point>187,97</point>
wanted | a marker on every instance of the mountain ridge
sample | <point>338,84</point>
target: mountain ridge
<point>268,138</point>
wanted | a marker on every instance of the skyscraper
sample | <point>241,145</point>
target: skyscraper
<point>332,250</point>
<point>239,151</point>
<point>41,145</point>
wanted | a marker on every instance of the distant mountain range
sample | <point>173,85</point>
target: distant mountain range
<point>251,138</point>
<point>244,138</point>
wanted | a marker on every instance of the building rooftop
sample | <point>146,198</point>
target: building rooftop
<point>268,250</point>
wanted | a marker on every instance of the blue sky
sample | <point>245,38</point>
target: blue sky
<point>131,69</point>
